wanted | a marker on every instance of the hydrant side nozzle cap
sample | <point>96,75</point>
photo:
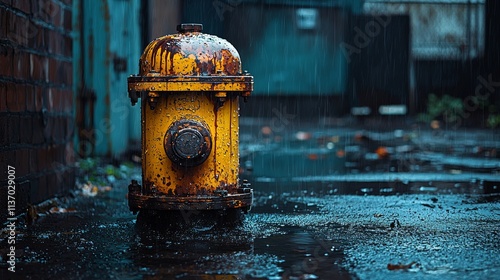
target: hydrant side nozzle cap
<point>189,27</point>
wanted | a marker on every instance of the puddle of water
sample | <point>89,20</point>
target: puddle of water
<point>293,253</point>
<point>304,257</point>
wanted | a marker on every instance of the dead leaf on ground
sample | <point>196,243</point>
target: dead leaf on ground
<point>105,188</point>
<point>382,152</point>
<point>89,190</point>
<point>59,210</point>
<point>34,212</point>
<point>299,250</point>
<point>400,266</point>
<point>435,124</point>
<point>340,153</point>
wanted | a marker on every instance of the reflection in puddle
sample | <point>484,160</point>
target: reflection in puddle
<point>304,257</point>
<point>186,253</point>
<point>235,253</point>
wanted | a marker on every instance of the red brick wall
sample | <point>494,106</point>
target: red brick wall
<point>36,99</point>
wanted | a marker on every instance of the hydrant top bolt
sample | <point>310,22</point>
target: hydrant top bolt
<point>189,27</point>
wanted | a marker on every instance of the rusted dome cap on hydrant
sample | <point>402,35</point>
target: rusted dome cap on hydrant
<point>190,53</point>
<point>189,61</point>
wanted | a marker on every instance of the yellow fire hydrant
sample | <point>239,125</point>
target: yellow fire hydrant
<point>189,84</point>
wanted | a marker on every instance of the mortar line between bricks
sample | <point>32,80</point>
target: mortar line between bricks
<point>35,83</point>
<point>34,114</point>
<point>17,47</point>
<point>64,5</point>
<point>35,20</point>
<point>18,146</point>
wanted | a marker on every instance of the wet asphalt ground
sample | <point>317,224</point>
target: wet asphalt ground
<point>286,236</point>
<point>436,218</point>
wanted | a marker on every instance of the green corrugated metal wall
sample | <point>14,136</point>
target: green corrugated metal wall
<point>109,33</point>
<point>284,59</point>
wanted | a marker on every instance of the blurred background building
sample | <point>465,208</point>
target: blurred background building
<point>64,64</point>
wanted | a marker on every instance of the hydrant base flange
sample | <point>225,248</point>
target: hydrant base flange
<point>161,202</point>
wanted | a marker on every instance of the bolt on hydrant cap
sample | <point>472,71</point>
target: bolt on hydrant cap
<point>189,27</point>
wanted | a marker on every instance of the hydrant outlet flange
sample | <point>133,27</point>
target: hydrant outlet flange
<point>188,143</point>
